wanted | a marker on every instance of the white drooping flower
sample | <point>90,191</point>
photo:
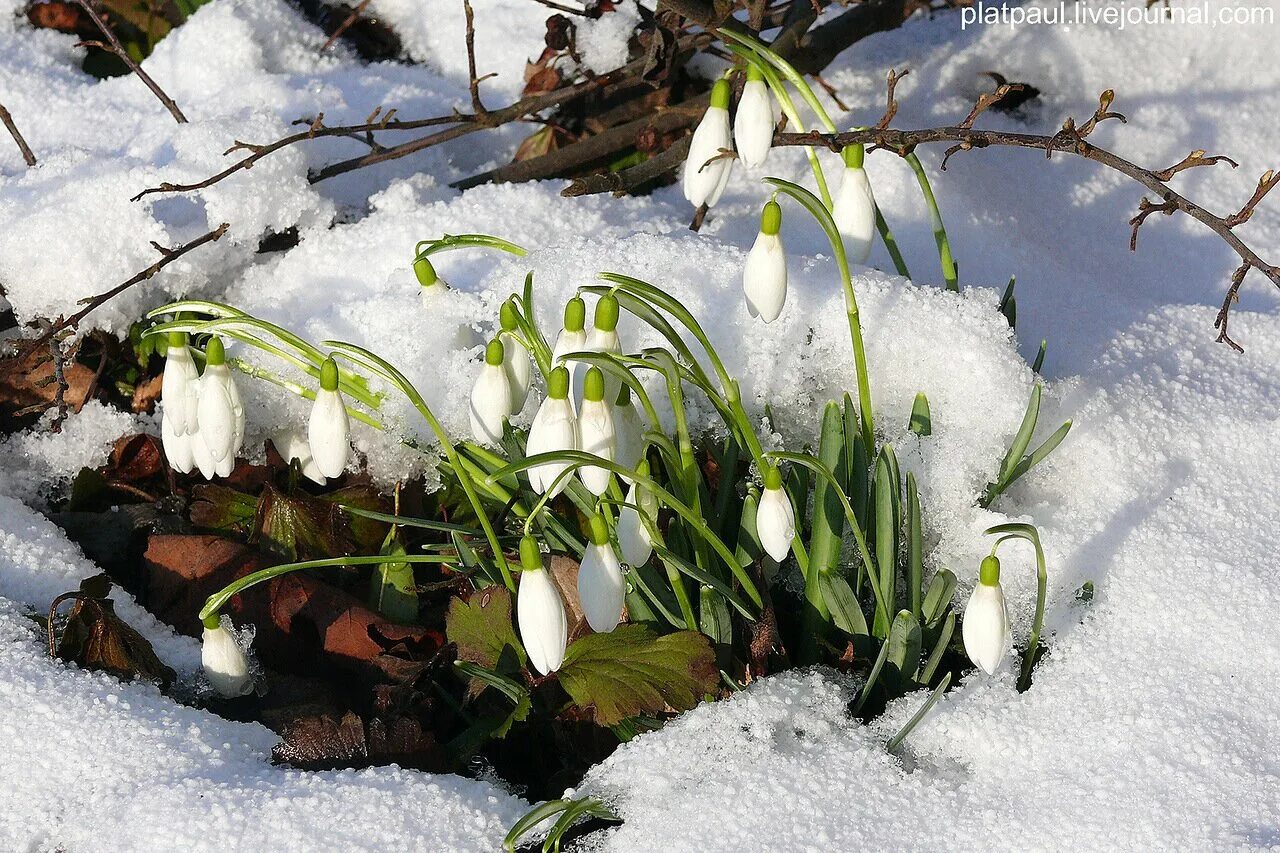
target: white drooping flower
<point>775,517</point>
<point>628,431</point>
<point>329,430</point>
<point>706,171</point>
<point>573,335</point>
<point>179,394</point>
<point>224,661</point>
<point>291,444</point>
<point>204,461</point>
<point>491,396</point>
<point>554,428</point>
<point>755,120</point>
<point>601,585</point>
<point>221,417</point>
<point>854,207</point>
<point>602,338</point>
<point>633,536</point>
<point>516,361</point>
<point>596,433</point>
<point>764,279</point>
<point>986,631</point>
<point>540,616</point>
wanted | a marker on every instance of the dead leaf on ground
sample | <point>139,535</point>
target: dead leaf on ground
<point>95,638</point>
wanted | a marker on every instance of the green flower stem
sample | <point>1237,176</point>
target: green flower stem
<point>948,263</point>
<point>577,458</point>
<point>815,208</point>
<point>1017,530</point>
<point>395,377</point>
<point>214,603</point>
<point>890,243</point>
<point>461,241</point>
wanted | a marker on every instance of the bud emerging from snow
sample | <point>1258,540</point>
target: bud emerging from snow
<point>516,359</point>
<point>596,433</point>
<point>291,444</point>
<point>628,432</point>
<point>329,430</point>
<point>554,428</point>
<point>633,536</point>
<point>573,336</point>
<point>490,396</point>
<point>705,171</point>
<point>601,586</point>
<point>225,663</point>
<point>775,517</point>
<point>179,394</point>
<point>754,123</point>
<point>221,416</point>
<point>986,632</point>
<point>854,207</point>
<point>427,275</point>
<point>544,627</point>
<point>764,280</point>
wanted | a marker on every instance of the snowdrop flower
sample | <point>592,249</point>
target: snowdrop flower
<point>986,632</point>
<point>854,207</point>
<point>633,536</point>
<point>204,461</point>
<point>491,396</point>
<point>554,428</point>
<point>775,517</point>
<point>596,433</point>
<point>544,627</point>
<point>754,123</point>
<point>427,275</point>
<point>329,431</point>
<point>221,416</point>
<point>291,444</point>
<point>628,431</point>
<point>516,361</point>
<point>224,662</point>
<point>601,587</point>
<point>603,337</point>
<point>764,280</point>
<point>573,336</point>
<point>705,177</point>
<point>180,396</point>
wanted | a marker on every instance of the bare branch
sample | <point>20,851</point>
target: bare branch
<point>1224,313</point>
<point>345,25</point>
<point>891,103</point>
<point>7,119</point>
<point>476,106</point>
<point>1145,209</point>
<point>113,44</point>
<point>1265,185</point>
<point>1191,161</point>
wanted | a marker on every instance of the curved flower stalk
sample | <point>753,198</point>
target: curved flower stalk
<point>596,431</point>
<point>554,429</point>
<point>601,585</point>
<point>1027,532</point>
<point>986,633</point>
<point>707,168</point>
<point>425,271</point>
<point>755,120</point>
<point>764,280</point>
<point>491,396</point>
<point>540,615</point>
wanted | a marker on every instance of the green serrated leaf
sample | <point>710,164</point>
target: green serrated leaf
<point>632,670</point>
<point>482,630</point>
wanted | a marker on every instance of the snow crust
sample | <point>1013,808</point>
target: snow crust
<point>1151,724</point>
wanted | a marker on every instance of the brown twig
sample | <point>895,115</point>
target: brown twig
<point>113,45</point>
<point>1265,184</point>
<point>891,103</point>
<point>1191,161</point>
<point>476,106</point>
<point>7,119</point>
<point>628,180</point>
<point>345,25</point>
<point>1224,313</point>
<point>94,302</point>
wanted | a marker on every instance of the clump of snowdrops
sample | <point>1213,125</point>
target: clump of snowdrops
<point>679,539</point>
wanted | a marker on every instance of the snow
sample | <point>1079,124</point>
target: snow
<point>1151,722</point>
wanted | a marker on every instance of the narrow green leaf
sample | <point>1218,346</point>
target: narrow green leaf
<point>904,645</point>
<point>842,603</point>
<point>939,648</point>
<point>938,596</point>
<point>896,742</point>
<point>921,421</point>
<point>1038,455</point>
<point>886,545</point>
<point>1038,364</point>
<point>1023,437</point>
<point>915,548</point>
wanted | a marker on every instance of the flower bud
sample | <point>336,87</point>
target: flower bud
<point>554,428</point>
<point>516,360</point>
<point>705,171</point>
<point>633,536</point>
<point>764,279</point>
<point>179,397</point>
<point>224,661</point>
<point>573,336</point>
<point>490,396</point>
<point>601,586</point>
<point>628,431</point>
<point>329,430</point>
<point>544,627</point>
<point>292,444</point>
<point>755,120</point>
<point>775,517</point>
<point>603,338</point>
<point>596,431</point>
<point>854,207</point>
<point>985,629</point>
<point>216,407</point>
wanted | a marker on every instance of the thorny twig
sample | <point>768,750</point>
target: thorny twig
<point>1072,140</point>
<point>113,44</point>
<point>27,153</point>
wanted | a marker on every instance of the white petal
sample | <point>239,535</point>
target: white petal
<point>554,428</point>
<point>519,370</point>
<point>987,637</point>
<point>568,342</point>
<point>712,134</point>
<point>544,627</point>
<point>217,412</point>
<point>596,341</point>
<point>178,391</point>
<point>225,664</point>
<point>490,404</point>
<point>601,588</point>
<point>328,433</point>
<point>854,212</point>
<point>628,437</point>
<point>775,523</point>
<point>764,279</point>
<point>200,453</point>
<point>754,123</point>
<point>597,437</point>
<point>633,536</point>
<point>291,444</point>
<point>177,448</point>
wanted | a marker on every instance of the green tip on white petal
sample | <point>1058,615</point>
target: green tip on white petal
<point>426,272</point>
<point>177,339</point>
<point>854,155</point>
<point>329,375</point>
<point>558,384</point>
<point>494,352</point>
<point>720,94</point>
<point>214,352</point>
<point>606,319</point>
<point>575,315</point>
<point>530,554</point>
<point>771,218</point>
<point>593,387</point>
<point>507,316</point>
<point>212,622</point>
<point>599,530</point>
<point>772,477</point>
<point>754,72</point>
<point>989,575</point>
